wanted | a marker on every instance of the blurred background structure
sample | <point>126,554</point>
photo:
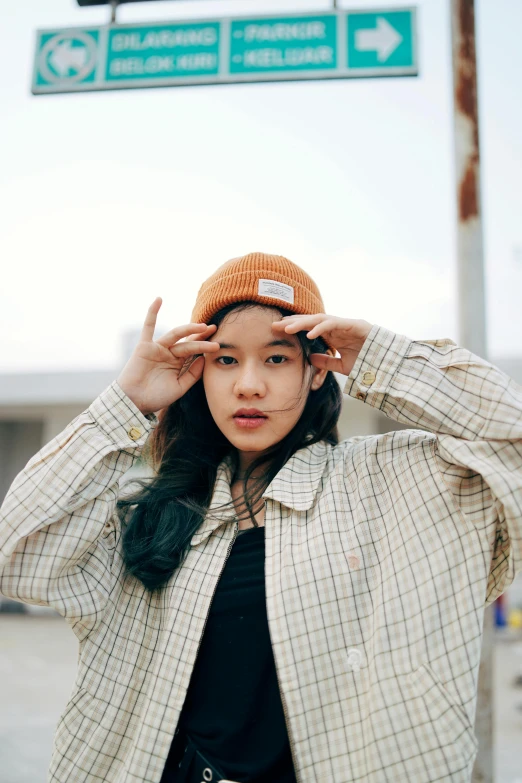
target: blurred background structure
<point>108,200</point>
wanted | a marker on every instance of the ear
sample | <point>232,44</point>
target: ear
<point>320,374</point>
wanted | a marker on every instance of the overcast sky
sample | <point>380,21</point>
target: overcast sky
<point>111,199</point>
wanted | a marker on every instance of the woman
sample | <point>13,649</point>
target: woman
<point>271,604</point>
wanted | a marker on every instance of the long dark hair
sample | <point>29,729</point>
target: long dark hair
<point>185,450</point>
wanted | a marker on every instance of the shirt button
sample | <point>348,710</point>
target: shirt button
<point>354,659</point>
<point>368,378</point>
<point>134,433</point>
<point>360,396</point>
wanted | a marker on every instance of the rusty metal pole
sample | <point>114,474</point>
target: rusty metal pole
<point>471,299</point>
<point>472,322</point>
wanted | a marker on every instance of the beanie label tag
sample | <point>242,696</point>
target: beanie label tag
<point>273,289</point>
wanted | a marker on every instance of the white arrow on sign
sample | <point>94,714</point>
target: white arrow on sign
<point>383,39</point>
<point>65,57</point>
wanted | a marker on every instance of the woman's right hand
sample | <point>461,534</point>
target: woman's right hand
<point>156,374</point>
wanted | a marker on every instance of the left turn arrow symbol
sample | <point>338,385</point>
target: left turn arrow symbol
<point>66,57</point>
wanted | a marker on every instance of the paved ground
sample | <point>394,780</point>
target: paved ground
<point>37,670</point>
<point>38,666</point>
<point>508,710</point>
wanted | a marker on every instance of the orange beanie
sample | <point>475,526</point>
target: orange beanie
<point>258,277</point>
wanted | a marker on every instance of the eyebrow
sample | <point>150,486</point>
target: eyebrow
<point>283,343</point>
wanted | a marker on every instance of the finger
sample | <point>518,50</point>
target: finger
<point>299,316</point>
<point>319,329</point>
<point>203,335</point>
<point>169,338</point>
<point>191,373</point>
<point>147,333</point>
<point>325,362</point>
<point>193,347</point>
<point>312,331</point>
<point>300,322</point>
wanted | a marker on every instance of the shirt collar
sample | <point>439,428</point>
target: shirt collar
<point>295,486</point>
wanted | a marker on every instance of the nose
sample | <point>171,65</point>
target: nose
<point>250,382</point>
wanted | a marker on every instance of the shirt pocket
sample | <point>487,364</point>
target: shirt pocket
<point>84,718</point>
<point>441,353</point>
<point>72,719</point>
<point>441,718</point>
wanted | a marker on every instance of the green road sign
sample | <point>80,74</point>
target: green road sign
<point>336,45</point>
<point>162,53</point>
<point>380,40</point>
<point>66,58</point>
<point>283,45</point>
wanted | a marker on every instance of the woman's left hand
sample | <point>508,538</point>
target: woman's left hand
<point>347,336</point>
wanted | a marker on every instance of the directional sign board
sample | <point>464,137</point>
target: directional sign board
<point>337,45</point>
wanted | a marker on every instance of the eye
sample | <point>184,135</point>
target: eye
<point>227,364</point>
<point>218,360</point>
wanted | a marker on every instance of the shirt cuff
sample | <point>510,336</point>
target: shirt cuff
<point>379,360</point>
<point>120,419</point>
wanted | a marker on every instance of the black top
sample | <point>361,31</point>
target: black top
<point>233,709</point>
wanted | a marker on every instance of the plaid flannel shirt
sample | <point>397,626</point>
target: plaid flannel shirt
<point>381,554</point>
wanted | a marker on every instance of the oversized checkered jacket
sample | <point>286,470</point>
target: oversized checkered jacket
<point>381,554</point>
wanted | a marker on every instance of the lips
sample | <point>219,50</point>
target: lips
<point>250,422</point>
<point>249,413</point>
